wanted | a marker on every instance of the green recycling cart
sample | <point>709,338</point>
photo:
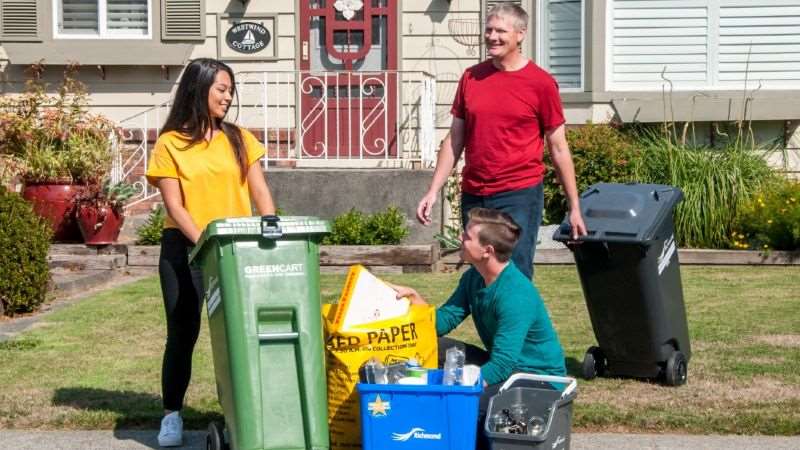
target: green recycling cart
<point>261,281</point>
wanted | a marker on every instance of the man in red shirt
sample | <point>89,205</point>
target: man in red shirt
<point>504,110</point>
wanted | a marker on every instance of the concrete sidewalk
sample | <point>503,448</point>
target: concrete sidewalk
<point>195,440</point>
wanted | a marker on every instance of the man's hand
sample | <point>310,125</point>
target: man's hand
<point>425,207</point>
<point>577,227</point>
<point>565,171</point>
<point>449,152</point>
<point>405,291</point>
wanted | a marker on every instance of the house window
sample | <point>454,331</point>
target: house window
<point>560,41</point>
<point>704,44</point>
<point>102,19</point>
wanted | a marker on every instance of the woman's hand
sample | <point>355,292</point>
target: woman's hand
<point>405,291</point>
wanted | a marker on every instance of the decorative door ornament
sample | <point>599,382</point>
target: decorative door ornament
<point>349,87</point>
<point>348,8</point>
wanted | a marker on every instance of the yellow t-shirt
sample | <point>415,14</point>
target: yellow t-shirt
<point>208,173</point>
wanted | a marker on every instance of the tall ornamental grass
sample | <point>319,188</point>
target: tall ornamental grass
<point>717,183</point>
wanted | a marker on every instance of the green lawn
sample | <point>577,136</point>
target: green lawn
<point>96,364</point>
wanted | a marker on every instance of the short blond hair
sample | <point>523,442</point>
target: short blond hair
<point>512,10</point>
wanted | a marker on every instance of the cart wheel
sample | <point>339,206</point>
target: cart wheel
<point>594,363</point>
<point>215,439</point>
<point>676,371</point>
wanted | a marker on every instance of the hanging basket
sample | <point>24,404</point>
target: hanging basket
<point>466,32</point>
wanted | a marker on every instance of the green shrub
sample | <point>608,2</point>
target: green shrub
<point>770,220</point>
<point>601,153</point>
<point>450,238</point>
<point>716,183</point>
<point>356,228</point>
<point>150,232</point>
<point>24,244</point>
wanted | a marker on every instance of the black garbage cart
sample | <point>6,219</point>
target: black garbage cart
<point>630,274</point>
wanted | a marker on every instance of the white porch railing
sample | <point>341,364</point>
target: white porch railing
<point>322,117</point>
<point>132,151</point>
<point>319,119</point>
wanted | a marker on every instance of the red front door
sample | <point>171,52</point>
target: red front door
<point>348,55</point>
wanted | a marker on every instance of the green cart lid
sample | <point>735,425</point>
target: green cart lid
<point>269,227</point>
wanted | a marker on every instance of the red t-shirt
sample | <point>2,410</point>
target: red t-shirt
<point>506,115</point>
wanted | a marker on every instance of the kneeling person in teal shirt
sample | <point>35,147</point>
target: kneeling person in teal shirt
<point>507,310</point>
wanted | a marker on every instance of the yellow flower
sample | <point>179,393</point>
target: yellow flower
<point>741,236</point>
<point>769,221</point>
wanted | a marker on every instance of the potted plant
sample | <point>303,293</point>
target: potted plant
<point>62,147</point>
<point>99,212</point>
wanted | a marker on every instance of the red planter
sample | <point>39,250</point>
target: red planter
<point>99,225</point>
<point>56,203</point>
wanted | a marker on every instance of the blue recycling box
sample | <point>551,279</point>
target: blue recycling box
<point>429,417</point>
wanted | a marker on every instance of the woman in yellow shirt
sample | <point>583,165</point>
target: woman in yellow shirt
<point>206,169</point>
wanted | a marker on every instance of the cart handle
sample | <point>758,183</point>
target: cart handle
<point>288,336</point>
<point>270,228</point>
<point>549,378</point>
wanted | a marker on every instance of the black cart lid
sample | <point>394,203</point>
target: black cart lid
<point>629,213</point>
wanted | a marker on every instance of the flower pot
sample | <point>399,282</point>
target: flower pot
<point>55,202</point>
<point>99,225</point>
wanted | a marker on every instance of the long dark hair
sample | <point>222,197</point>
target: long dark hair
<point>189,113</point>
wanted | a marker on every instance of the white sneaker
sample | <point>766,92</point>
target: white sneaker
<point>171,434</point>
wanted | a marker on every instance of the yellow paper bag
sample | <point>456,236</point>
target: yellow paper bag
<point>390,341</point>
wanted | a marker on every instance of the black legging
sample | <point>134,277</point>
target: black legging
<point>182,289</point>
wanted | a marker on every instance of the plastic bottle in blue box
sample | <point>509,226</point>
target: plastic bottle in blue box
<point>427,417</point>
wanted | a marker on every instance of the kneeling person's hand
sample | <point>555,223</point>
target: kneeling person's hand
<point>409,293</point>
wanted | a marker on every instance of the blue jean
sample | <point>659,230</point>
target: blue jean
<point>525,207</point>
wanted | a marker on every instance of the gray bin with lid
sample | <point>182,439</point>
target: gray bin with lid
<point>630,274</point>
<point>551,405</point>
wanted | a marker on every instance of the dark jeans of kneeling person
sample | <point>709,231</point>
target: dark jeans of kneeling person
<point>182,289</point>
<point>525,207</point>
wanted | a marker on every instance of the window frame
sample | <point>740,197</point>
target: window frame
<point>542,42</point>
<point>102,20</point>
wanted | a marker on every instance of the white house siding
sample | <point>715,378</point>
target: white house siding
<point>643,37</point>
<point>651,41</point>
<point>703,44</point>
<point>129,90</point>
<point>433,39</point>
<point>433,34</point>
<point>759,41</point>
<point>428,44</point>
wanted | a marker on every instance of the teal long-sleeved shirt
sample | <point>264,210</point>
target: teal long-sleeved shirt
<point>511,320</point>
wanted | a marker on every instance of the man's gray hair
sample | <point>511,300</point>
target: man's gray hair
<point>510,10</point>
